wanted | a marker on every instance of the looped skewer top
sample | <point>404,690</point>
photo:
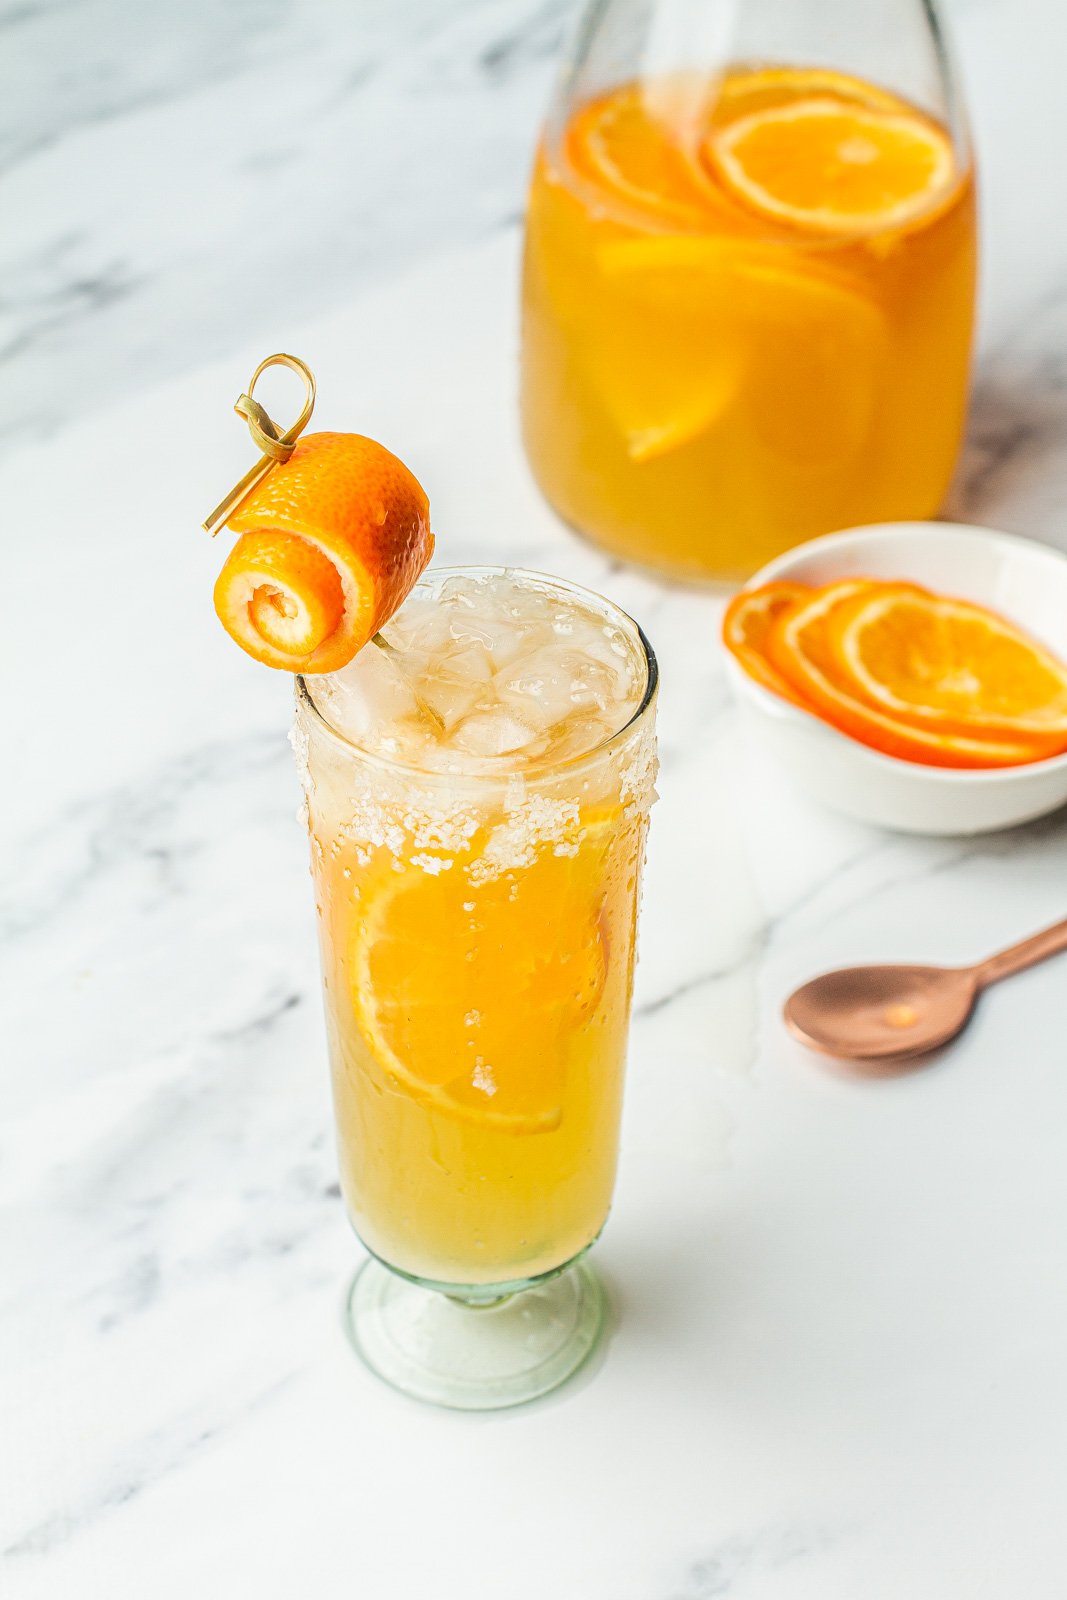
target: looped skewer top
<point>264,432</point>
<point>276,446</point>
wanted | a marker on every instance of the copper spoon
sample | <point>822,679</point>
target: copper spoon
<point>891,1013</point>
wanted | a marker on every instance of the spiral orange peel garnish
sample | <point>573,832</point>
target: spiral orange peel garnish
<point>331,542</point>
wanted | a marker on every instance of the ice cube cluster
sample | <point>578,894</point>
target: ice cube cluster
<point>492,672</point>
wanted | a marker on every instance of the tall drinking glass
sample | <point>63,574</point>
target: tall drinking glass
<point>749,278</point>
<point>478,795</point>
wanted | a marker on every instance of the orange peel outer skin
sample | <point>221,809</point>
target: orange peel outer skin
<point>331,543</point>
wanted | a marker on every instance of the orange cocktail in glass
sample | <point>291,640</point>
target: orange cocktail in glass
<point>478,795</point>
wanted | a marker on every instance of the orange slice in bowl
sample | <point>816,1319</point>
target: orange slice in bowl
<point>834,166</point>
<point>332,541</point>
<point>799,645</point>
<point>944,664</point>
<point>746,628</point>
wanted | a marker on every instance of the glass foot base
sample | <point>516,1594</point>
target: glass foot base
<point>468,1356</point>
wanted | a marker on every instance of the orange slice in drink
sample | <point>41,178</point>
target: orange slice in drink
<point>944,664</point>
<point>834,166</point>
<point>331,543</point>
<point>799,645</point>
<point>467,994</point>
<point>746,628</point>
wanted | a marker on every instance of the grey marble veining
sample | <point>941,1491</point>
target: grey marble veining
<point>188,177</point>
<point>836,1369</point>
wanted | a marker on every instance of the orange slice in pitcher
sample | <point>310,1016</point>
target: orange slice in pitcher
<point>332,541</point>
<point>756,88</point>
<point>834,166</point>
<point>799,645</point>
<point>454,1013</point>
<point>746,628</point>
<point>689,315</point>
<point>945,664</point>
<point>666,358</point>
<point>831,347</point>
<point>626,142</point>
<point>699,315</point>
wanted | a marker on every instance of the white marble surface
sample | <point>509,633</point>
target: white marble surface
<point>837,1371</point>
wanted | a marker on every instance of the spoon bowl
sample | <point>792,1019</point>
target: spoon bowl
<point>891,1013</point>
<point>882,1013</point>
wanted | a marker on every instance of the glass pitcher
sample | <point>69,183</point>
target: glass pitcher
<point>749,277</point>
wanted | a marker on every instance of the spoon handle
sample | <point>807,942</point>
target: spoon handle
<point>1017,957</point>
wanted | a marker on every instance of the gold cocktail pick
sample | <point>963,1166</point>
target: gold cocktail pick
<point>275,445</point>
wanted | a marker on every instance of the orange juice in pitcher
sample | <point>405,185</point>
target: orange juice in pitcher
<point>747,310</point>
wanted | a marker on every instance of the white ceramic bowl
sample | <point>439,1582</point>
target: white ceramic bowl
<point>1025,581</point>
